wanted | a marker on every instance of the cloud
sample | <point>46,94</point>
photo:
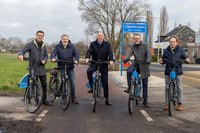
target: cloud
<point>23,18</point>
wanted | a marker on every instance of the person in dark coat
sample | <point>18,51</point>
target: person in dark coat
<point>65,50</point>
<point>37,51</point>
<point>100,50</point>
<point>176,54</point>
<point>142,55</point>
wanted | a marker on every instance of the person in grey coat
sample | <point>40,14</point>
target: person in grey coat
<point>142,56</point>
<point>38,52</point>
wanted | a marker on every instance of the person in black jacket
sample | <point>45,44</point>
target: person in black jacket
<point>176,54</point>
<point>65,50</point>
<point>37,50</point>
<point>100,50</point>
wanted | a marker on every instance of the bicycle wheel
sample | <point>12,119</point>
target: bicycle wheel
<point>33,97</point>
<point>170,99</point>
<point>95,94</point>
<point>52,90</point>
<point>65,96</point>
<point>132,98</point>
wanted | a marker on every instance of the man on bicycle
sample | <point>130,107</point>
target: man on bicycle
<point>100,50</point>
<point>65,50</point>
<point>37,50</point>
<point>175,54</point>
<point>142,56</point>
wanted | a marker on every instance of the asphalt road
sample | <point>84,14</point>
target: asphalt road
<point>115,119</point>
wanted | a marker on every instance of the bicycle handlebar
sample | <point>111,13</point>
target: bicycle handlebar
<point>99,62</point>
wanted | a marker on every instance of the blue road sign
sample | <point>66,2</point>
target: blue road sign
<point>134,27</point>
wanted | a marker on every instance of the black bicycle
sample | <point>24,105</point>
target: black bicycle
<point>60,87</point>
<point>172,87</point>
<point>97,82</point>
<point>33,96</point>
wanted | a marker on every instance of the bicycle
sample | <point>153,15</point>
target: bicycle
<point>97,83</point>
<point>135,88</point>
<point>172,88</point>
<point>61,88</point>
<point>33,96</point>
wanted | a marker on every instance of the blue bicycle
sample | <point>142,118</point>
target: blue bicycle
<point>135,88</point>
<point>172,88</point>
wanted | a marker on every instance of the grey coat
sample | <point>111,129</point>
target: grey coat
<point>36,54</point>
<point>143,56</point>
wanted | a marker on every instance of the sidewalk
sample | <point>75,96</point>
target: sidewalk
<point>184,65</point>
<point>191,97</point>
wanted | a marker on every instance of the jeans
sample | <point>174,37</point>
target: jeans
<point>179,89</point>
<point>70,74</point>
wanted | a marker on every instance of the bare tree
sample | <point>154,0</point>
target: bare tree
<point>14,42</point>
<point>163,21</point>
<point>29,40</point>
<point>107,16</point>
<point>149,20</point>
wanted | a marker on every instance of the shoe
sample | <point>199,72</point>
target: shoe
<point>46,103</point>
<point>165,107</point>
<point>90,91</point>
<point>127,90</point>
<point>180,107</point>
<point>107,102</point>
<point>74,101</point>
<point>146,105</point>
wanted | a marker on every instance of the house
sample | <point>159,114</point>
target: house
<point>184,33</point>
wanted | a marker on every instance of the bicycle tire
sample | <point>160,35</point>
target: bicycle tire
<point>132,98</point>
<point>95,95</point>
<point>32,100</point>
<point>170,99</point>
<point>66,94</point>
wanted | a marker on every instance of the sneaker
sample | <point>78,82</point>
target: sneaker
<point>46,103</point>
<point>74,101</point>
<point>165,107</point>
<point>180,107</point>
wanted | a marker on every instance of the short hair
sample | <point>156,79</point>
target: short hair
<point>177,40</point>
<point>137,35</point>
<point>40,31</point>
<point>64,35</point>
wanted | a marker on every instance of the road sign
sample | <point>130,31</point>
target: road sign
<point>158,46</point>
<point>135,27</point>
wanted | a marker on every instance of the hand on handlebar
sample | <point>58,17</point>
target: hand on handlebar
<point>21,58</point>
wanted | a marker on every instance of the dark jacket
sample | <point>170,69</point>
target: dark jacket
<point>142,54</point>
<point>101,52</point>
<point>69,53</point>
<point>38,54</point>
<point>176,56</point>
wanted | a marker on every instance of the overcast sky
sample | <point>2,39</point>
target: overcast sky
<point>22,18</point>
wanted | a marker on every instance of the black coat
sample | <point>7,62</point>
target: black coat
<point>101,52</point>
<point>69,53</point>
<point>35,53</point>
<point>177,56</point>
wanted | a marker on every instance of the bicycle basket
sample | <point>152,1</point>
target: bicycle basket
<point>24,82</point>
<point>53,72</point>
<point>172,75</point>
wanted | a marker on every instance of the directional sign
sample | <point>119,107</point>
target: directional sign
<point>134,27</point>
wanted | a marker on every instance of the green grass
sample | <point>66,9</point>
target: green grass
<point>11,72</point>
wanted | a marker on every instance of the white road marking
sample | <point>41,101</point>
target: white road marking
<point>146,115</point>
<point>42,114</point>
